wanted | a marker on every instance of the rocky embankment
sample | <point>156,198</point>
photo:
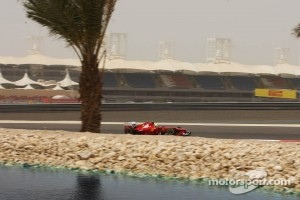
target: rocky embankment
<point>171,156</point>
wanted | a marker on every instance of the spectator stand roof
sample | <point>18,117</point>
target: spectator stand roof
<point>206,69</point>
<point>171,65</point>
<point>168,65</point>
<point>39,60</point>
<point>232,69</point>
<point>262,70</point>
<point>121,65</point>
<point>287,70</point>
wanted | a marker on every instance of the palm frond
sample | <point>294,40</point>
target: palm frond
<point>296,31</point>
<point>81,23</point>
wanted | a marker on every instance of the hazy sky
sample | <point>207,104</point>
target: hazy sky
<point>255,27</point>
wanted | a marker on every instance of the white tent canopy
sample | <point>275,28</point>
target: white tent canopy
<point>28,87</point>
<point>57,87</point>
<point>26,81</point>
<point>67,81</point>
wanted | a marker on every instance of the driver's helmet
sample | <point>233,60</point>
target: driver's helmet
<point>133,124</point>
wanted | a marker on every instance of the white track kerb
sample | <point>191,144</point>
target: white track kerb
<point>255,179</point>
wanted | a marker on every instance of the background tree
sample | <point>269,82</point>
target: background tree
<point>82,24</point>
<point>296,30</point>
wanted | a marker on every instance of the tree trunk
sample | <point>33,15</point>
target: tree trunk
<point>90,89</point>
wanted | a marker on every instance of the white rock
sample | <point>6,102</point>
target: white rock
<point>85,155</point>
<point>256,174</point>
<point>278,168</point>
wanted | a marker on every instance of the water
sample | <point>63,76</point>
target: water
<point>18,183</point>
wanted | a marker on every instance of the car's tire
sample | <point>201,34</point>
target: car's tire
<point>128,131</point>
<point>170,132</point>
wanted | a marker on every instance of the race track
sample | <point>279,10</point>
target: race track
<point>229,124</point>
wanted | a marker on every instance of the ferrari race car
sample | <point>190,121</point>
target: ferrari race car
<point>149,128</point>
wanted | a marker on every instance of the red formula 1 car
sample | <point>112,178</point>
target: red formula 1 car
<point>149,128</point>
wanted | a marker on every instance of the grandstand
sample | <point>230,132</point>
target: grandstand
<point>210,82</point>
<point>164,81</point>
<point>274,82</point>
<point>295,82</point>
<point>110,81</point>
<point>177,81</point>
<point>139,80</point>
<point>243,82</point>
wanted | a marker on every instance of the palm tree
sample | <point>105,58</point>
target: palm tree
<point>296,31</point>
<point>82,24</point>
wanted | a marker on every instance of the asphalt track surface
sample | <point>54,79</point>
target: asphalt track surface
<point>227,124</point>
